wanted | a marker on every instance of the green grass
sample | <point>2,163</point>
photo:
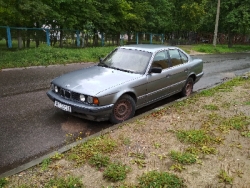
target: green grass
<point>3,182</point>
<point>183,158</point>
<point>44,56</point>
<point>196,137</point>
<point>209,48</point>
<point>68,182</point>
<point>99,161</point>
<point>116,172</point>
<point>160,179</point>
<point>83,152</point>
<point>211,107</point>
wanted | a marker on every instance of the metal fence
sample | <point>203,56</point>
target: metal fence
<point>20,37</point>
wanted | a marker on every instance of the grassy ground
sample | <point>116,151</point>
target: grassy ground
<point>45,55</point>
<point>200,141</point>
<point>210,49</point>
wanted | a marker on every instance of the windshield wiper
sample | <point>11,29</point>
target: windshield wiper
<point>124,70</point>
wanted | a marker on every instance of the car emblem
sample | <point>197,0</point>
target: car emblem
<point>67,85</point>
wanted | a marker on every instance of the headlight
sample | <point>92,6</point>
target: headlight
<point>93,100</point>
<point>90,99</point>
<point>56,89</point>
<point>82,98</point>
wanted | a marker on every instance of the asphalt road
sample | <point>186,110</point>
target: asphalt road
<point>31,127</point>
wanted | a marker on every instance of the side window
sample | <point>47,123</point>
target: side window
<point>161,60</point>
<point>175,57</point>
<point>184,58</point>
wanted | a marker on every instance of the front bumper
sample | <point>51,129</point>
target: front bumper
<point>95,113</point>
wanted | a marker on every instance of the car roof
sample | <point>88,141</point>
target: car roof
<point>147,47</point>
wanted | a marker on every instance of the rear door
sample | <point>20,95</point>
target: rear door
<point>179,69</point>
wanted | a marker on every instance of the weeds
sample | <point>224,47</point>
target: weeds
<point>45,163</point>
<point>99,161</point>
<point>183,158</point>
<point>116,172</point>
<point>224,177</point>
<point>196,137</point>
<point>211,107</point>
<point>3,182</point>
<point>246,134</point>
<point>160,179</point>
<point>68,182</point>
<point>177,167</point>
<point>81,153</point>
<point>139,159</point>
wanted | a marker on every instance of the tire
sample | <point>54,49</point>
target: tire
<point>188,87</point>
<point>123,110</point>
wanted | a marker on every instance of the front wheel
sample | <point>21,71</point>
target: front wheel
<point>123,110</point>
<point>188,87</point>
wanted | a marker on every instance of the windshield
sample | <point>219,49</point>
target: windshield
<point>134,61</point>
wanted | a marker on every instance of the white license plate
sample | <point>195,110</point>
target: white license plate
<point>63,106</point>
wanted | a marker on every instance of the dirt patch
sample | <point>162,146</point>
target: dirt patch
<point>223,114</point>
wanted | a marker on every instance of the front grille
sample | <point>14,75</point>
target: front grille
<point>64,93</point>
<point>75,96</point>
<point>68,94</point>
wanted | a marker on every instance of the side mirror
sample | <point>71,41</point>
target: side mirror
<point>156,70</point>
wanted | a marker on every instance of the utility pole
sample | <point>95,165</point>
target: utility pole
<point>216,23</point>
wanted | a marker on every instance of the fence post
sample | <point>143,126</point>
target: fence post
<point>9,37</point>
<point>151,38</point>
<point>78,38</point>
<point>137,38</point>
<point>48,37</point>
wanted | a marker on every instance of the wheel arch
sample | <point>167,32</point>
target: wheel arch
<point>193,76</point>
<point>131,94</point>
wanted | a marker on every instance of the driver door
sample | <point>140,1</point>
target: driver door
<point>159,84</point>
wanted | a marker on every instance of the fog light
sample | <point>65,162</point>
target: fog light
<point>82,98</point>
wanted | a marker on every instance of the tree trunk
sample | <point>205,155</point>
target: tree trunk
<point>118,38</point>
<point>83,35</point>
<point>129,36</point>
<point>28,39</point>
<point>230,39</point>
<point>61,38</point>
<point>216,23</point>
<point>37,35</point>
<point>19,39</point>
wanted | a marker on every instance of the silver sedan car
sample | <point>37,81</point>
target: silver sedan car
<point>128,78</point>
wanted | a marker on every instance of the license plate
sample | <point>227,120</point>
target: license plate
<point>63,106</point>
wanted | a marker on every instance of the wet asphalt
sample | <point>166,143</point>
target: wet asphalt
<point>31,127</point>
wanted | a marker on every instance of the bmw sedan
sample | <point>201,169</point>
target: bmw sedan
<point>128,78</point>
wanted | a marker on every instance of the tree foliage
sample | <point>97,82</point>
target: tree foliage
<point>116,16</point>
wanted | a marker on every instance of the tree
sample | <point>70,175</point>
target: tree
<point>216,24</point>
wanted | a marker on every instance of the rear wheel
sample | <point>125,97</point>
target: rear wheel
<point>123,110</point>
<point>188,88</point>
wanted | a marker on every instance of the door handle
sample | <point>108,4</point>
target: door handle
<point>186,70</point>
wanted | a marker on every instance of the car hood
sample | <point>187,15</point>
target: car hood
<point>93,80</point>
